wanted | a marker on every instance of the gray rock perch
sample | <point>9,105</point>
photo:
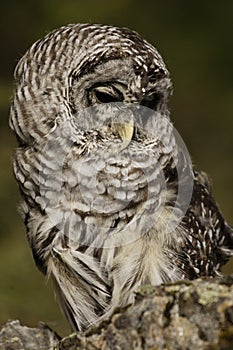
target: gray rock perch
<point>185,316</point>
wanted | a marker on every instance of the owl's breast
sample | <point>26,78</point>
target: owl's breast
<point>106,193</point>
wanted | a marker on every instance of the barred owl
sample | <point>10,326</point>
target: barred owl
<point>110,199</point>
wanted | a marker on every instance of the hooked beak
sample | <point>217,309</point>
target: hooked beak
<point>125,130</point>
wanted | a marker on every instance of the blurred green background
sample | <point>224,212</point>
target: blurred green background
<point>195,39</point>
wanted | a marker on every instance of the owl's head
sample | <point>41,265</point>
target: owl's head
<point>80,66</point>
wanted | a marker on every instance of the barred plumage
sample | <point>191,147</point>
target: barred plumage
<point>110,199</point>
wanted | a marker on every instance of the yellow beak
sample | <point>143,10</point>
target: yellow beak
<point>125,131</point>
<point>124,126</point>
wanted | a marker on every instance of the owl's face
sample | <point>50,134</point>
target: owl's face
<point>114,92</point>
<point>82,66</point>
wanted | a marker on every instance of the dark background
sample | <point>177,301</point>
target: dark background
<point>195,39</point>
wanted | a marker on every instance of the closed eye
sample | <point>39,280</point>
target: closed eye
<point>104,97</point>
<point>104,93</point>
<point>152,101</point>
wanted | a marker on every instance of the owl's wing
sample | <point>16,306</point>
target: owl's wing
<point>209,241</point>
<point>80,286</point>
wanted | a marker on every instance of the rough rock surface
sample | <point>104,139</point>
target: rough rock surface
<point>14,336</point>
<point>186,315</point>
